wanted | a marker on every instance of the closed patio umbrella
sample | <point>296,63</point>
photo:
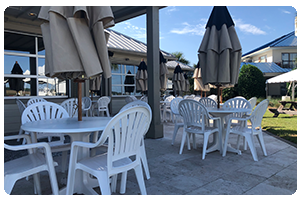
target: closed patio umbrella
<point>142,77</point>
<point>198,83</point>
<point>178,80</point>
<point>163,72</point>
<point>75,42</point>
<point>129,79</point>
<point>220,50</point>
<point>16,84</point>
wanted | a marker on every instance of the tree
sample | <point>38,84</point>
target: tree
<point>181,58</point>
<point>251,82</point>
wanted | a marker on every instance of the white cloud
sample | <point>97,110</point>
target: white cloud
<point>286,12</point>
<point>135,31</point>
<point>248,28</point>
<point>198,29</point>
<point>171,9</point>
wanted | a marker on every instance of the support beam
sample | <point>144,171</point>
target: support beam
<point>156,128</point>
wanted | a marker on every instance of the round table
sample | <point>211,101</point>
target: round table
<point>222,113</point>
<point>78,131</point>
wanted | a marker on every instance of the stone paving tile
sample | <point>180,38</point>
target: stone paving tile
<point>174,174</point>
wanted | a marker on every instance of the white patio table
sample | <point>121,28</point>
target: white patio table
<point>222,113</point>
<point>78,131</point>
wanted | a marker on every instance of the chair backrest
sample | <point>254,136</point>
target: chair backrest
<point>137,103</point>
<point>258,113</point>
<point>103,102</point>
<point>193,112</point>
<point>174,105</point>
<point>237,102</point>
<point>169,98</point>
<point>86,103</point>
<point>35,100</point>
<point>129,99</point>
<point>144,98</point>
<point>214,97</point>
<point>253,102</point>
<point>21,106</point>
<point>125,132</point>
<point>197,98</point>
<point>71,106</point>
<point>208,102</point>
<point>43,111</point>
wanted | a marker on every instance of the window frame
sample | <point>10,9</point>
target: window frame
<point>289,61</point>
<point>35,76</point>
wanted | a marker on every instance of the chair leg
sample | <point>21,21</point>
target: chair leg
<point>175,133</point>
<point>205,142</point>
<point>103,181</point>
<point>123,183</point>
<point>262,143</point>
<point>140,179</point>
<point>250,141</point>
<point>144,160</point>
<point>8,184</point>
<point>184,135</point>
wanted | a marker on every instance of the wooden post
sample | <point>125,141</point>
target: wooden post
<point>79,81</point>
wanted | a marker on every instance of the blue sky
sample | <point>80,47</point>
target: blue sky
<point>182,27</point>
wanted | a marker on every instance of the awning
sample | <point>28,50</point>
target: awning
<point>286,77</point>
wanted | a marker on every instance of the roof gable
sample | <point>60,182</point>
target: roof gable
<point>288,40</point>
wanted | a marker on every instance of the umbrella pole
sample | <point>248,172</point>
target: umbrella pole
<point>79,98</point>
<point>218,88</point>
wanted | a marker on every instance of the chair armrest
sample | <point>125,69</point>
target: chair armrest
<point>13,137</point>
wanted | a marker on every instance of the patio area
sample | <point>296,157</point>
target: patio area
<point>188,174</point>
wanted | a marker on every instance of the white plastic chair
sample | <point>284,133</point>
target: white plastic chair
<point>86,105</point>
<point>253,101</point>
<point>175,111</point>
<point>124,132</point>
<point>35,100</point>
<point>49,110</point>
<point>144,98</point>
<point>143,150</point>
<point>194,116</point>
<point>30,164</point>
<point>167,108</point>
<point>71,106</point>
<point>249,132</point>
<point>208,102</point>
<point>129,99</point>
<point>214,97</point>
<point>102,104</point>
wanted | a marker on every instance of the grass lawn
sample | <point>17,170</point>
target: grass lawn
<point>284,126</point>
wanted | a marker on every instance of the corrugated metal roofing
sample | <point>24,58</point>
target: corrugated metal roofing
<point>120,41</point>
<point>173,64</point>
<point>288,40</point>
<point>267,67</point>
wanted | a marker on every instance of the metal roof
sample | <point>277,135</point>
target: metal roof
<point>267,67</point>
<point>119,41</point>
<point>184,67</point>
<point>288,40</point>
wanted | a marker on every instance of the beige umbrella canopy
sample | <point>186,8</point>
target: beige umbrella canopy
<point>75,41</point>
<point>142,78</point>
<point>198,83</point>
<point>220,50</point>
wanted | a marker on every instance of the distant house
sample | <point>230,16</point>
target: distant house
<point>274,58</point>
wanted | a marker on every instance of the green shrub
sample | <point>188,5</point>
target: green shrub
<point>251,82</point>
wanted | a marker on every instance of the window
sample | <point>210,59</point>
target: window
<point>123,79</point>
<point>24,67</point>
<point>262,58</point>
<point>289,60</point>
